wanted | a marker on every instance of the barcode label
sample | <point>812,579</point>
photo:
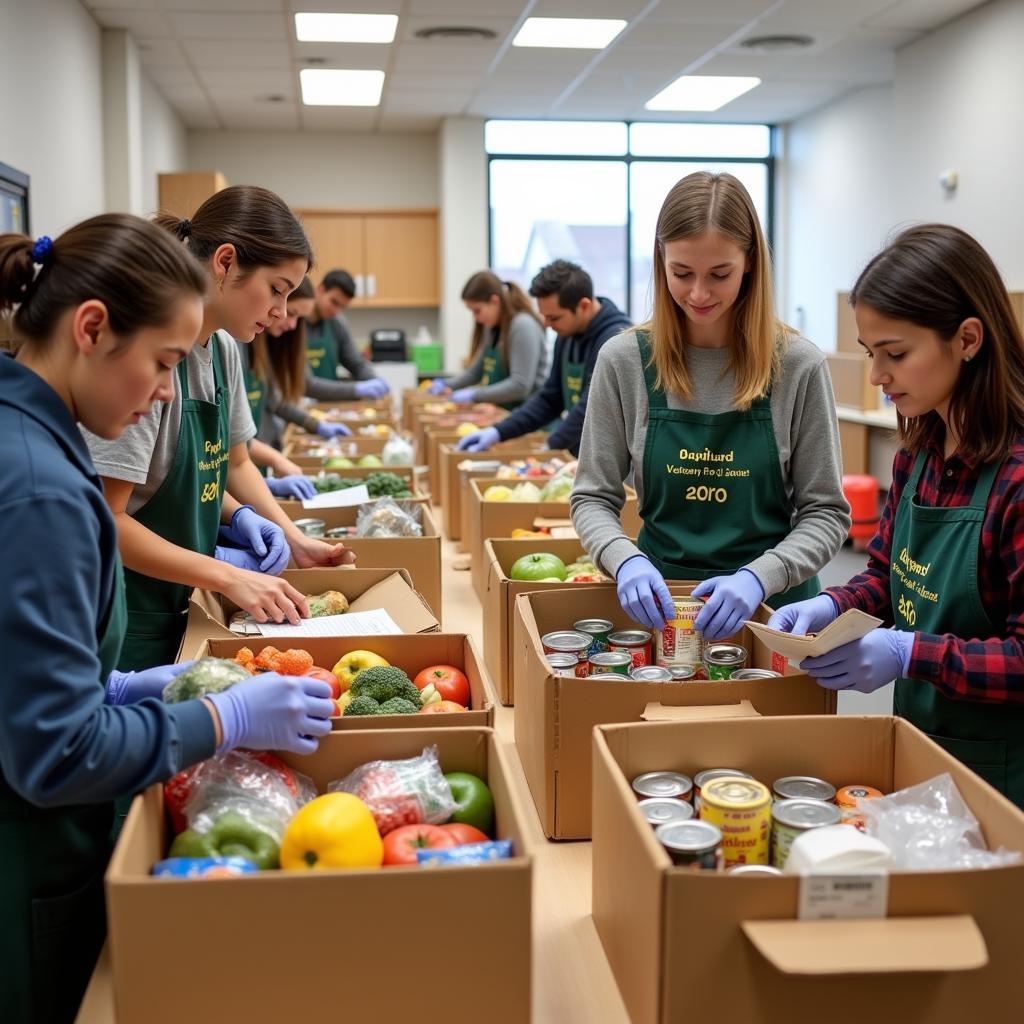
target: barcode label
<point>843,896</point>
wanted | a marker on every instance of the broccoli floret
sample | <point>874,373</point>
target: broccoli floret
<point>410,693</point>
<point>386,485</point>
<point>382,682</point>
<point>362,706</point>
<point>398,706</point>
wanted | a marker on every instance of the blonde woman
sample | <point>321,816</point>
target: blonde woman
<point>727,420</point>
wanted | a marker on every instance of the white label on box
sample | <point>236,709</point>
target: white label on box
<point>358,495</point>
<point>843,896</point>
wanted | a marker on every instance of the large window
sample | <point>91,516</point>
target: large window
<point>590,192</point>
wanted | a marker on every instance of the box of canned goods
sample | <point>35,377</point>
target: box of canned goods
<point>663,810</point>
<point>664,784</point>
<point>563,664</point>
<point>610,661</point>
<point>651,674</point>
<point>803,787</point>
<point>696,845</point>
<point>741,809</point>
<point>597,630</point>
<point>635,642</point>
<point>721,660</point>
<point>311,527</point>
<point>791,818</point>
<point>680,642</point>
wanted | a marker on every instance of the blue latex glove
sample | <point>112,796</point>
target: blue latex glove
<point>730,601</point>
<point>262,537</point>
<point>240,558</point>
<point>329,430</point>
<point>437,387</point>
<point>464,396</point>
<point>864,665</point>
<point>131,687</point>
<point>294,486</point>
<point>801,617</point>
<point>641,590</point>
<point>372,388</point>
<point>480,441</point>
<point>272,712</point>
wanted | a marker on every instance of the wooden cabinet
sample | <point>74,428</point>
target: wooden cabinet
<point>392,254</point>
<point>183,194</point>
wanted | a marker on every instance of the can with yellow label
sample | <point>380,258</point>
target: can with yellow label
<point>741,809</point>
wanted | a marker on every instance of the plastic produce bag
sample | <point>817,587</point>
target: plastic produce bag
<point>389,518</point>
<point>409,792</point>
<point>398,451</point>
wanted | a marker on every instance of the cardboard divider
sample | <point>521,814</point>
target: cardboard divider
<point>257,941</point>
<point>658,712</point>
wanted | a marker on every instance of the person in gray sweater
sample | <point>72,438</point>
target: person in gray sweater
<point>727,421</point>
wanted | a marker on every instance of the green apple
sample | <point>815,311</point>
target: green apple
<point>338,462</point>
<point>370,461</point>
<point>473,800</point>
<point>540,565</point>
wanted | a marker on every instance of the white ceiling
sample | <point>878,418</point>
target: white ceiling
<point>217,61</point>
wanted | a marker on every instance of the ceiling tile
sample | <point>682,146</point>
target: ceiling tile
<point>426,57</point>
<point>236,7</point>
<point>333,6</point>
<point>162,53</point>
<point>854,67</point>
<point>195,25</point>
<point>433,83</point>
<point>724,12</point>
<point>140,23</point>
<point>138,5</point>
<point>409,26</point>
<point>922,14</point>
<point>438,103</point>
<point>660,34</point>
<point>567,63</point>
<point>808,15</point>
<point>224,53</point>
<point>624,9</point>
<point>343,55</point>
<point>339,119</point>
<point>249,82</point>
<point>465,10</point>
<point>408,122</point>
<point>170,78</point>
<point>258,116</point>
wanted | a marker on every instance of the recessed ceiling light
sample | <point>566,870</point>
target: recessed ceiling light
<point>329,87</point>
<point>345,28</point>
<point>470,32</point>
<point>701,92</point>
<point>775,43</point>
<point>569,33</point>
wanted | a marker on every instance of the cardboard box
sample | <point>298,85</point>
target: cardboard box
<point>851,381</point>
<point>327,945</point>
<point>684,945</point>
<point>411,653</point>
<point>555,715</point>
<point>386,405</point>
<point>853,445</point>
<point>478,415</point>
<point>501,593</point>
<point>297,448</point>
<point>416,480</point>
<point>846,326</point>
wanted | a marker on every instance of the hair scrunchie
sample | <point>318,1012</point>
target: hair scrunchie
<point>184,228</point>
<point>42,250</point>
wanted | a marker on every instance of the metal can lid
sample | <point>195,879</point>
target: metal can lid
<point>300,523</point>
<point>754,673</point>
<point>566,640</point>
<point>668,784</point>
<point>618,677</point>
<point>660,810</point>
<point>735,792</point>
<point>631,637</point>
<point>683,672</point>
<point>753,869</point>
<point>849,795</point>
<point>562,660</point>
<point>607,658</point>
<point>724,654</point>
<point>689,836</point>
<point>804,814</point>
<point>701,779</point>
<point>803,787</point>
<point>593,626</point>
<point>338,531</point>
<point>651,674</point>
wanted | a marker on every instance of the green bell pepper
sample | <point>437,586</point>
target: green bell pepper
<point>232,835</point>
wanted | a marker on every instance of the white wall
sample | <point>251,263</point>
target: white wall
<point>164,142</point>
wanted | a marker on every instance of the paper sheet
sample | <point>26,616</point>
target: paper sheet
<point>339,499</point>
<point>373,623</point>
<point>850,626</point>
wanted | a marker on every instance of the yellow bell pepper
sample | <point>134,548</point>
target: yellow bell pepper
<point>335,830</point>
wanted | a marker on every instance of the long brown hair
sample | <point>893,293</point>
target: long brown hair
<point>699,203</point>
<point>284,358</point>
<point>481,287</point>
<point>937,276</point>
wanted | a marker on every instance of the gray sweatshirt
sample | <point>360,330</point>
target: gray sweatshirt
<point>527,357</point>
<point>806,433</point>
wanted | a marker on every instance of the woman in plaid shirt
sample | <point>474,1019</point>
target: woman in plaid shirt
<point>946,567</point>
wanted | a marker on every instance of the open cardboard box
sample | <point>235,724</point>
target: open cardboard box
<point>326,946</point>
<point>683,945</point>
<point>479,416</point>
<point>385,404</point>
<point>411,653</point>
<point>555,715</point>
<point>501,593</point>
<point>415,479</point>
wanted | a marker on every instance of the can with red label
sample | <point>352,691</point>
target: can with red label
<point>680,642</point>
<point>635,642</point>
<point>568,641</point>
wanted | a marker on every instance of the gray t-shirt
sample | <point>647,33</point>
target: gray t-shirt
<point>527,359</point>
<point>144,453</point>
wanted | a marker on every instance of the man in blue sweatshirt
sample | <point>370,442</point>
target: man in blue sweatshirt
<point>583,323</point>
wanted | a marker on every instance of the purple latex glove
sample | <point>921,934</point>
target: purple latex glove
<point>464,396</point>
<point>240,558</point>
<point>480,441</point>
<point>328,430</point>
<point>273,712</point>
<point>864,665</point>
<point>731,600</point>
<point>131,687</point>
<point>294,486</point>
<point>372,388</point>
<point>263,538</point>
<point>641,590</point>
<point>802,617</point>
<point>437,387</point>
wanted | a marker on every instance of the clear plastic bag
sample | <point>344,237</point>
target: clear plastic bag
<point>386,517</point>
<point>398,451</point>
<point>409,792</point>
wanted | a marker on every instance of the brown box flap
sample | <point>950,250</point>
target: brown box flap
<point>657,712</point>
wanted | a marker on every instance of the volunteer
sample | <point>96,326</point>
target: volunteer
<point>727,421</point>
<point>583,323</point>
<point>165,479</point>
<point>329,345</point>
<point>946,568</point>
<point>508,360</point>
<point>103,314</point>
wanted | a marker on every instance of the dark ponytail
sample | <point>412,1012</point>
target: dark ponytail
<point>125,262</point>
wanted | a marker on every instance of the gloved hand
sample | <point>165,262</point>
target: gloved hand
<point>731,600</point>
<point>464,396</point>
<point>372,388</point>
<point>131,687</point>
<point>300,487</point>
<point>240,558</point>
<point>801,617</point>
<point>328,430</point>
<point>480,441</point>
<point>262,537</point>
<point>641,590</point>
<point>272,712</point>
<point>863,665</point>
<point>437,387</point>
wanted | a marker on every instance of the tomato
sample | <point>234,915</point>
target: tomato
<point>401,844</point>
<point>450,682</point>
<point>316,672</point>
<point>464,834</point>
<point>442,707</point>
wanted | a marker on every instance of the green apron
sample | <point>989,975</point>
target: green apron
<point>185,510</point>
<point>321,349</point>
<point>256,392</point>
<point>51,883</point>
<point>934,589</point>
<point>493,367</point>
<point>714,497</point>
<point>572,382</point>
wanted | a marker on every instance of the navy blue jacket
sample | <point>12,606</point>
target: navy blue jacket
<point>60,744</point>
<point>549,403</point>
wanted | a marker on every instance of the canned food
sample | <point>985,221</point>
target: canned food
<point>651,674</point>
<point>611,661</point>
<point>568,641</point>
<point>754,673</point>
<point>680,673</point>
<point>663,810</point>
<point>846,800</point>
<point>753,869</point>
<point>696,845</point>
<point>635,642</point>
<point>674,785</point>
<point>563,664</point>
<point>741,809</point>
<point>803,787</point>
<point>792,818</point>
<point>721,660</point>
<point>680,642</point>
<point>597,630</point>
<point>610,676</point>
<point>340,532</point>
<point>701,779</point>
<point>311,527</point>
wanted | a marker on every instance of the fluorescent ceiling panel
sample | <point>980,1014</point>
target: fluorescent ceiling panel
<point>345,28</point>
<point>701,92</point>
<point>329,87</point>
<point>569,33</point>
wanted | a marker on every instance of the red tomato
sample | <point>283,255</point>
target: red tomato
<point>316,672</point>
<point>401,844</point>
<point>442,707</point>
<point>450,682</point>
<point>464,834</point>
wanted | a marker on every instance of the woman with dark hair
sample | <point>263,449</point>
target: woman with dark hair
<point>946,568</point>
